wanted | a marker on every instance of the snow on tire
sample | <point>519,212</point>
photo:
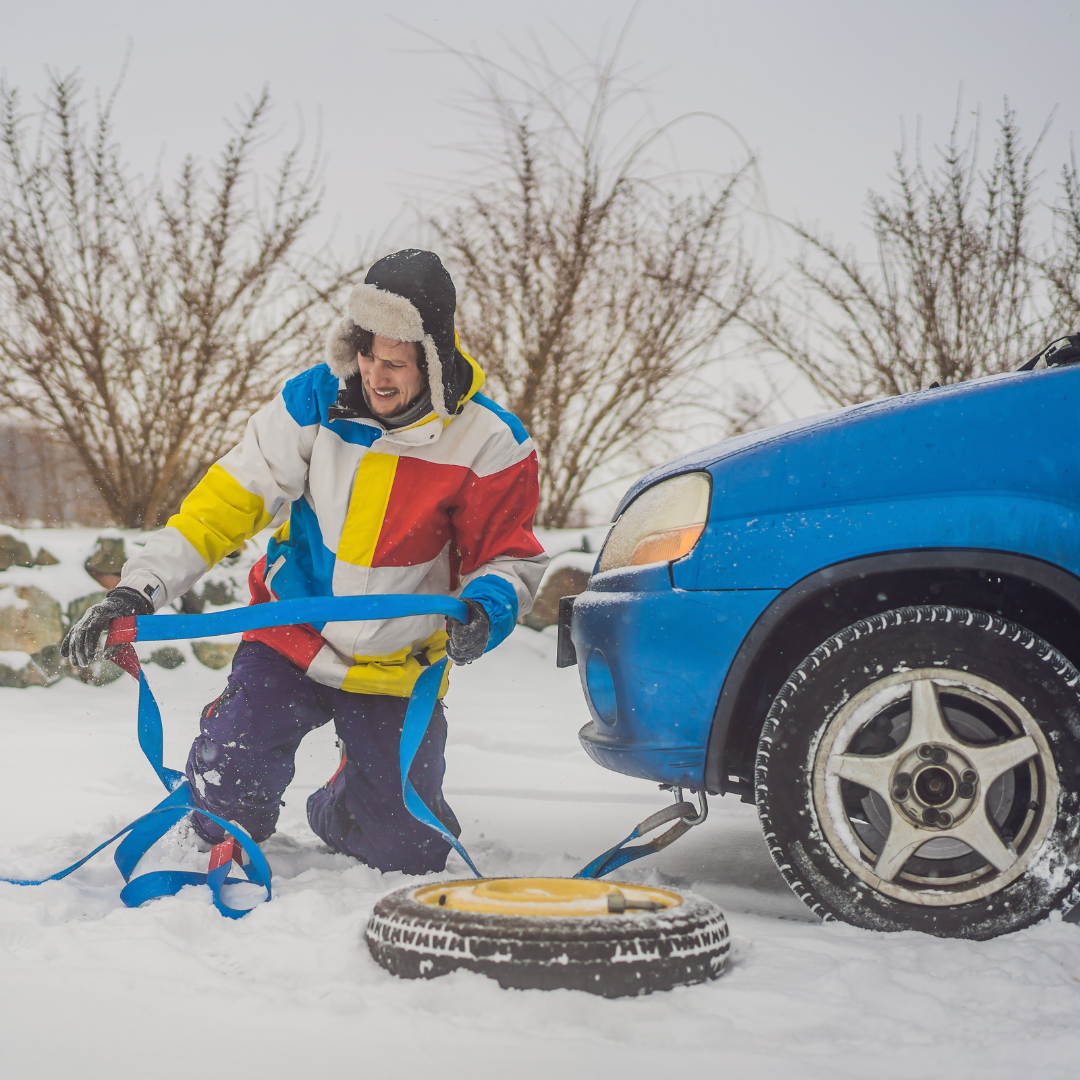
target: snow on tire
<point>607,938</point>
<point>919,771</point>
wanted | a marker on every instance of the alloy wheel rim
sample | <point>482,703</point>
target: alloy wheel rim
<point>935,818</point>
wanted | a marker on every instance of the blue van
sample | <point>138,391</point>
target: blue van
<point>868,624</point>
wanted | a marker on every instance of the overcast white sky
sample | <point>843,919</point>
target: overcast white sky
<point>818,90</point>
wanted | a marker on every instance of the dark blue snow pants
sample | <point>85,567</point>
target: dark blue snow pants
<point>242,762</point>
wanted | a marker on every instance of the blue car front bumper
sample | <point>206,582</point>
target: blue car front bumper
<point>652,661</point>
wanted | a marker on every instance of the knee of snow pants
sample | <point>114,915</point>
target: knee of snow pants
<point>360,812</point>
<point>242,760</point>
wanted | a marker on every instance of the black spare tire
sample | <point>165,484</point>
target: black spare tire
<point>607,938</point>
<point>918,771</point>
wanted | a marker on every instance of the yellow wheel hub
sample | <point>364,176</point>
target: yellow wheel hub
<point>545,896</point>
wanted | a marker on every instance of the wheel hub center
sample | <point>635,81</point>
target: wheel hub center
<point>934,786</point>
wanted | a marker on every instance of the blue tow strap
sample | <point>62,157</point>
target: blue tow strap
<point>417,718</point>
<point>145,831</point>
<point>620,854</point>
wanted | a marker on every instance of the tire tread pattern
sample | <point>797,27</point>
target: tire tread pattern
<point>613,956</point>
<point>1057,664</point>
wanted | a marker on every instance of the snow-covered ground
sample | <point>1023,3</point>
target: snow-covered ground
<point>89,988</point>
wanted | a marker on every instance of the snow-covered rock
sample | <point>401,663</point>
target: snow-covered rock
<point>213,654</point>
<point>13,552</point>
<point>29,619</point>
<point>17,669</point>
<point>560,582</point>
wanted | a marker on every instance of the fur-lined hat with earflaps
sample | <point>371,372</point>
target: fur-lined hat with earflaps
<point>408,296</point>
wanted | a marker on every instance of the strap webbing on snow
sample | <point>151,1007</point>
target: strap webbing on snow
<point>142,833</point>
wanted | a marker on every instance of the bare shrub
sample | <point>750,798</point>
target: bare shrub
<point>1061,268</point>
<point>144,323</point>
<point>958,288</point>
<point>593,284</point>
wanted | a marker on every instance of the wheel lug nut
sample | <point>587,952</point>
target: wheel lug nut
<point>930,815</point>
<point>925,751</point>
<point>903,779</point>
<point>969,776</point>
<point>938,755</point>
<point>966,791</point>
<point>900,793</point>
<point>944,819</point>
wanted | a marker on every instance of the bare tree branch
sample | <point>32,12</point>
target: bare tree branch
<point>1062,266</point>
<point>957,291</point>
<point>142,322</point>
<point>593,285</point>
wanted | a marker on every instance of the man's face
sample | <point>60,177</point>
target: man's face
<point>392,376</point>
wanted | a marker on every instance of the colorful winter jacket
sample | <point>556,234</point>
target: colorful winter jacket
<point>444,506</point>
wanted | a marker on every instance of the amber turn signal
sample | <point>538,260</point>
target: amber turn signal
<point>666,546</point>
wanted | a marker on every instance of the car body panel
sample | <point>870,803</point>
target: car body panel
<point>777,550</point>
<point>894,579</point>
<point>661,726</point>
<point>991,465</point>
<point>886,476</point>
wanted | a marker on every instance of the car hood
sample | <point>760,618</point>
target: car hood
<point>707,458</point>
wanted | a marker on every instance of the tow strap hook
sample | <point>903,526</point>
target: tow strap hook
<point>703,803</point>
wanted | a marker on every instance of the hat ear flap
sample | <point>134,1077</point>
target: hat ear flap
<point>341,349</point>
<point>435,377</point>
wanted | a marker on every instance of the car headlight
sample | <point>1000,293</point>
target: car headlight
<point>662,524</point>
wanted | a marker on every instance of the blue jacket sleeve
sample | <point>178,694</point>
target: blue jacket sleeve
<point>497,597</point>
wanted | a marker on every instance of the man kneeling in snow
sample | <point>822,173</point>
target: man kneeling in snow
<point>401,478</point>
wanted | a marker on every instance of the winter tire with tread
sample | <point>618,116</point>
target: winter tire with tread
<point>415,933</point>
<point>919,771</point>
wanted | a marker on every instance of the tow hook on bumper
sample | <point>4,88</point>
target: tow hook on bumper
<point>682,813</point>
<point>703,803</point>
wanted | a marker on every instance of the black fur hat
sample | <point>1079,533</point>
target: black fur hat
<point>408,296</point>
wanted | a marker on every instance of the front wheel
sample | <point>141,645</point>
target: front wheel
<point>919,771</point>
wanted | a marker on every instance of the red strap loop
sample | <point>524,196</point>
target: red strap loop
<point>122,632</point>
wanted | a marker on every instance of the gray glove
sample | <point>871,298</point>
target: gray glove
<point>468,640</point>
<point>81,641</point>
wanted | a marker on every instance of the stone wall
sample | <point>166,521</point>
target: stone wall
<point>33,623</point>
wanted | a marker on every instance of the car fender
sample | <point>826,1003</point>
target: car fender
<point>1032,591</point>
